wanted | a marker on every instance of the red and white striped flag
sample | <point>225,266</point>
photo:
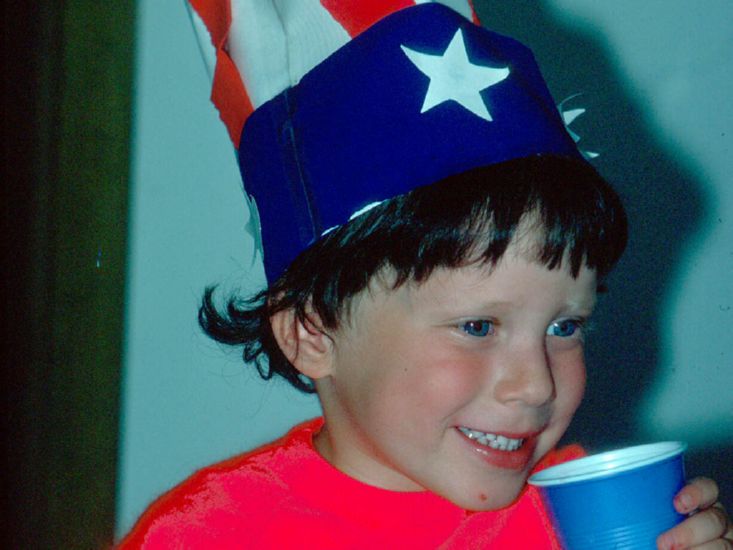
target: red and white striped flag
<point>262,47</point>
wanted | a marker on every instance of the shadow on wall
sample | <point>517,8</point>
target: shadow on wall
<point>667,208</point>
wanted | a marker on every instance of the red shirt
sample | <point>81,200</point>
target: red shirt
<point>285,495</point>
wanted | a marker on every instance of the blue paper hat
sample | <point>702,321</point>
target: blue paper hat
<point>421,95</point>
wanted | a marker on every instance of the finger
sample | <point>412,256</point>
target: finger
<point>703,527</point>
<point>728,535</point>
<point>698,494</point>
<point>720,544</point>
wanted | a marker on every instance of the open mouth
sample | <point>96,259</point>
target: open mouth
<point>494,441</point>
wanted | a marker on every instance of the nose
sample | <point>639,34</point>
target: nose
<point>525,377</point>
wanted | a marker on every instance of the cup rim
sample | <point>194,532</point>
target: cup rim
<point>606,464</point>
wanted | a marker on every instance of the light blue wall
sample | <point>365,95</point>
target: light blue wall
<point>676,60</point>
<point>657,77</point>
<point>186,402</point>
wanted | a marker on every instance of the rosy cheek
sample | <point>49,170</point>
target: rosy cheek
<point>458,378</point>
<point>569,373</point>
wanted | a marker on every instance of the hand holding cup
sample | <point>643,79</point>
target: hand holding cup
<point>708,524</point>
<point>620,499</point>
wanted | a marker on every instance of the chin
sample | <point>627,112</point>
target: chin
<point>476,500</point>
<point>491,503</point>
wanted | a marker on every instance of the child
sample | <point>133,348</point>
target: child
<point>433,241</point>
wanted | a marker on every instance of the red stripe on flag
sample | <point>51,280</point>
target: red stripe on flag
<point>218,18</point>
<point>473,13</point>
<point>227,91</point>
<point>358,15</point>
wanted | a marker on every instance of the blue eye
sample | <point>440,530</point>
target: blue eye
<point>478,327</point>
<point>565,328</point>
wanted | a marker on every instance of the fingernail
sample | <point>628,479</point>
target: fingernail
<point>664,542</point>
<point>684,502</point>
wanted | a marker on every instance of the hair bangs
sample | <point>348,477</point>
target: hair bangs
<point>563,209</point>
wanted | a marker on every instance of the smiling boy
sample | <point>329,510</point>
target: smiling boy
<point>458,384</point>
<point>433,241</point>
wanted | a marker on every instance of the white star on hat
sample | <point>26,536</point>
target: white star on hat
<point>454,78</point>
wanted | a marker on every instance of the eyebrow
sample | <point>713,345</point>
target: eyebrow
<point>585,305</point>
<point>480,307</point>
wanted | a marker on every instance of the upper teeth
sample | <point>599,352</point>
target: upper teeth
<point>492,440</point>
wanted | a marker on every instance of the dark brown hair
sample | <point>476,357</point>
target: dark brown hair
<point>469,217</point>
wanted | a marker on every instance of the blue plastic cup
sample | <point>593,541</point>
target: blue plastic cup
<point>616,500</point>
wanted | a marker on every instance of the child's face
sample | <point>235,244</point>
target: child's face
<point>498,352</point>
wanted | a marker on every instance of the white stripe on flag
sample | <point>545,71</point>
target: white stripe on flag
<point>275,42</point>
<point>256,44</point>
<point>461,6</point>
<point>313,34</point>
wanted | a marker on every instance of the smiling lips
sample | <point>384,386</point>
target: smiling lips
<point>494,441</point>
<point>500,450</point>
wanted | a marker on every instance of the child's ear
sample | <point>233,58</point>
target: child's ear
<point>304,343</point>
